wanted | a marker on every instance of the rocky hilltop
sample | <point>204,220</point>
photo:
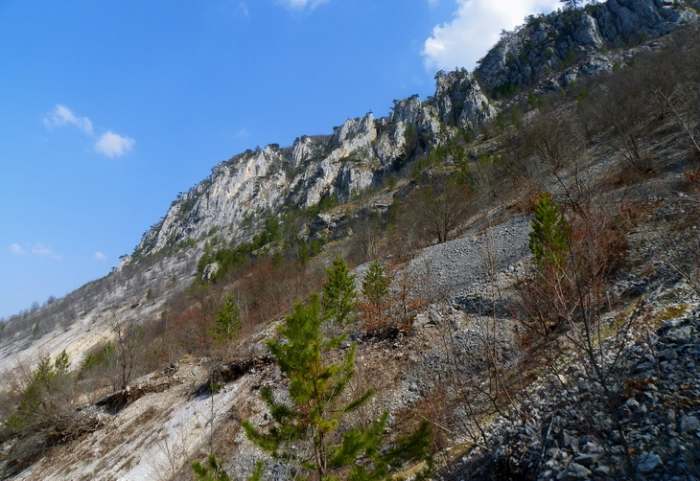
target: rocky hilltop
<point>472,342</point>
<point>549,52</point>
<point>552,51</point>
<point>349,161</point>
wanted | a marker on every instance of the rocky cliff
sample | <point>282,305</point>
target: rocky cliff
<point>551,51</point>
<point>557,422</point>
<point>548,51</point>
<point>354,157</point>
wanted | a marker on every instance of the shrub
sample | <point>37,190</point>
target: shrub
<point>550,235</point>
<point>44,397</point>
<point>228,321</point>
<point>572,257</point>
<point>339,294</point>
<point>375,285</point>
<point>375,289</point>
<point>318,375</point>
<point>213,471</point>
<point>100,356</point>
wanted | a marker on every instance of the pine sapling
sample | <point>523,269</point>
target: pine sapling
<point>339,294</point>
<point>318,413</point>
<point>550,237</point>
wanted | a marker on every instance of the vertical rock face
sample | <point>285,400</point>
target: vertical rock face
<point>565,44</point>
<point>460,100</point>
<point>548,51</point>
<point>348,161</point>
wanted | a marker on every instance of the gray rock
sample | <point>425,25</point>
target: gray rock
<point>689,424</point>
<point>547,44</point>
<point>575,472</point>
<point>680,334</point>
<point>210,271</point>
<point>648,462</point>
<point>586,459</point>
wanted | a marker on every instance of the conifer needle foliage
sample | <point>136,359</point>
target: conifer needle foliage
<point>213,471</point>
<point>313,430</point>
<point>550,237</point>
<point>375,285</point>
<point>228,321</point>
<point>339,294</point>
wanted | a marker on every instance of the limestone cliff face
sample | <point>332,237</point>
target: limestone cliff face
<point>553,50</point>
<point>353,158</point>
<point>548,51</point>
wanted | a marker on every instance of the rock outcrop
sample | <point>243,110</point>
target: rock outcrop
<point>350,160</point>
<point>553,50</point>
<point>549,51</point>
<point>232,203</point>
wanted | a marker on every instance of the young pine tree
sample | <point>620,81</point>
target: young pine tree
<point>375,285</point>
<point>43,396</point>
<point>318,373</point>
<point>339,294</point>
<point>213,471</point>
<point>550,237</point>
<point>572,4</point>
<point>375,288</point>
<point>228,321</point>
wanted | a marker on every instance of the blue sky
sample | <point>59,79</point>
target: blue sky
<point>108,109</point>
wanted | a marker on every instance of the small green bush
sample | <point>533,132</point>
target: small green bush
<point>550,237</point>
<point>42,396</point>
<point>339,294</point>
<point>228,321</point>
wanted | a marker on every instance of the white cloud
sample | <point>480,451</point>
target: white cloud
<point>16,249</point>
<point>100,256</point>
<point>38,249</point>
<point>114,145</point>
<point>242,133</point>
<point>42,250</point>
<point>302,4</point>
<point>61,116</point>
<point>475,28</point>
<point>109,143</point>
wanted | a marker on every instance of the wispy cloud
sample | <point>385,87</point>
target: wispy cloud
<point>112,145</point>
<point>242,133</point>
<point>474,28</point>
<point>42,250</point>
<point>100,256</point>
<point>243,9</point>
<point>62,116</point>
<point>302,4</point>
<point>16,249</point>
<point>38,249</point>
<point>109,143</point>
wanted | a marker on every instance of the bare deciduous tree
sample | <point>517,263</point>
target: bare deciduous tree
<point>126,344</point>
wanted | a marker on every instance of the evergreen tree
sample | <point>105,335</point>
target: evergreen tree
<point>228,321</point>
<point>551,234</point>
<point>339,294</point>
<point>375,285</point>
<point>213,471</point>
<point>318,374</point>
<point>61,364</point>
<point>572,4</point>
<point>41,398</point>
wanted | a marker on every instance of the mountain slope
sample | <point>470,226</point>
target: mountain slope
<point>232,204</point>
<point>454,281</point>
